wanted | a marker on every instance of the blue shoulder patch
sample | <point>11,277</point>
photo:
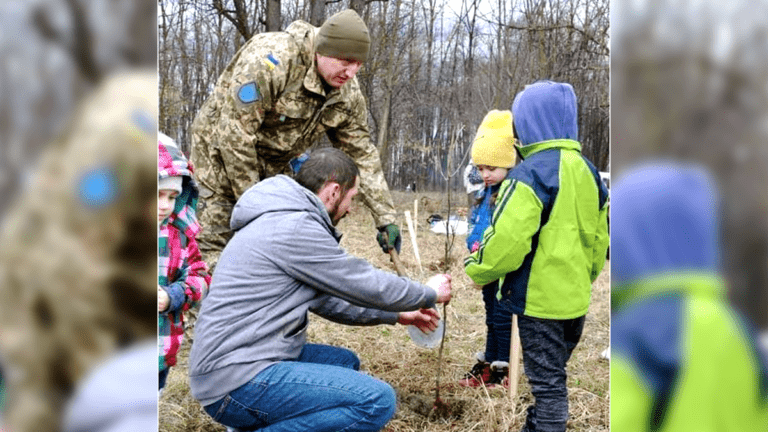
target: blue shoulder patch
<point>97,187</point>
<point>248,93</point>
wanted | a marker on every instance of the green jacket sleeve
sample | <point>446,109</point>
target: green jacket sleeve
<point>600,247</point>
<point>507,241</point>
<point>630,399</point>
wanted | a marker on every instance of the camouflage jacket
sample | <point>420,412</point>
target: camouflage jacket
<point>269,105</point>
<point>78,262</point>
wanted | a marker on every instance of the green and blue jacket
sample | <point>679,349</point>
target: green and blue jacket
<point>548,236</point>
<point>682,358</point>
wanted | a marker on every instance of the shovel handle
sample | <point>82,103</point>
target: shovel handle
<point>396,261</point>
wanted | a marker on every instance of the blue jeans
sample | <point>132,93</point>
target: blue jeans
<point>498,324</point>
<point>163,377</point>
<point>319,391</point>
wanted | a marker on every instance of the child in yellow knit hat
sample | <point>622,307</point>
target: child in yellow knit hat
<point>493,153</point>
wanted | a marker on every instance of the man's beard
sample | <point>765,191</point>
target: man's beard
<point>335,218</point>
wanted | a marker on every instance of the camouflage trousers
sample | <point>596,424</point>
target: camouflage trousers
<point>213,213</point>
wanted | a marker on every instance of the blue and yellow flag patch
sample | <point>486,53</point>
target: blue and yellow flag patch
<point>271,61</point>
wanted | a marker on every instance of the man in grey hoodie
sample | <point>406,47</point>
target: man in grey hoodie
<point>250,365</point>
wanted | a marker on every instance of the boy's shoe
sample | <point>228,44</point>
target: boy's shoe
<point>479,374</point>
<point>499,375</point>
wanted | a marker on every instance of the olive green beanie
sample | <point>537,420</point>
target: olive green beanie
<point>344,36</point>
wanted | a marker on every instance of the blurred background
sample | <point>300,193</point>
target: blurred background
<point>78,107</point>
<point>689,81</point>
<point>52,53</point>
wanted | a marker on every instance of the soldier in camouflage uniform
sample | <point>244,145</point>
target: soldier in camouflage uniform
<point>274,100</point>
<point>78,265</point>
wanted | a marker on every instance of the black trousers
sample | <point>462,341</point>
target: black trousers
<point>547,345</point>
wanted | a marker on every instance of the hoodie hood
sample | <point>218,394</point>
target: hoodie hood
<point>104,403</point>
<point>170,163</point>
<point>545,111</point>
<point>279,194</point>
<point>664,220</point>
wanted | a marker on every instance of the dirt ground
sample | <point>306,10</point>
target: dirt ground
<point>388,353</point>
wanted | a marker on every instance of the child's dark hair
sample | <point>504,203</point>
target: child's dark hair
<point>327,165</point>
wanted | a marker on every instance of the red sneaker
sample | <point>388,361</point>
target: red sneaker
<point>499,375</point>
<point>479,375</point>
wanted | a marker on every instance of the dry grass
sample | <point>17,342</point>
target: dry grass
<point>387,352</point>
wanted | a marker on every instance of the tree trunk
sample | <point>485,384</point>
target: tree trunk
<point>317,12</point>
<point>357,6</point>
<point>273,16</point>
<point>383,138</point>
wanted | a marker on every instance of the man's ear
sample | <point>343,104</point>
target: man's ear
<point>329,193</point>
<point>335,189</point>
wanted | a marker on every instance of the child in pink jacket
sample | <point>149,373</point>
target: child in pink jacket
<point>183,277</point>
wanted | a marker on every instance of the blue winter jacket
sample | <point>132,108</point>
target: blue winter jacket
<point>480,219</point>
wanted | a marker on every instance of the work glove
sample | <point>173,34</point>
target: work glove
<point>389,237</point>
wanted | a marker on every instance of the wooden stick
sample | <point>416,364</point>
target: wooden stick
<point>415,215</point>
<point>412,231</point>
<point>514,360</point>
<point>396,261</point>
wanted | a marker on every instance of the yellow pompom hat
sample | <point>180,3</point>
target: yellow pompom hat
<point>494,142</point>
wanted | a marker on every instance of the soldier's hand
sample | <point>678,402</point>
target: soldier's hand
<point>389,238</point>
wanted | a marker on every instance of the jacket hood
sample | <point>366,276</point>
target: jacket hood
<point>664,220</point>
<point>171,162</point>
<point>302,30</point>
<point>563,144</point>
<point>544,111</point>
<point>278,194</point>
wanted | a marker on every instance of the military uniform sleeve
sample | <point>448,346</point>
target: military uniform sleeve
<point>354,139</point>
<point>246,92</point>
<point>241,115</point>
<point>507,241</point>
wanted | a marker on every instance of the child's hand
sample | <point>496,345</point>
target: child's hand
<point>475,246</point>
<point>163,301</point>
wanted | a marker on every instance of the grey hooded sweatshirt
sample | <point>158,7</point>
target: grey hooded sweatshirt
<point>284,261</point>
